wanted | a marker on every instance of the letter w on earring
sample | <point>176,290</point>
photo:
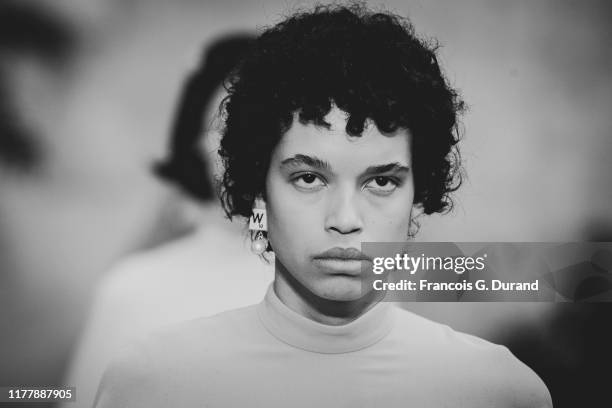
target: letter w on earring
<point>258,221</point>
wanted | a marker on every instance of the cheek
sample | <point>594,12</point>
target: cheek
<point>391,220</point>
<point>289,213</point>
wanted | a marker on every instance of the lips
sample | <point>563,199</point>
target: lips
<point>343,254</point>
<point>341,261</point>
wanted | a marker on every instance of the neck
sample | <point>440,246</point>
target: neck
<point>303,301</point>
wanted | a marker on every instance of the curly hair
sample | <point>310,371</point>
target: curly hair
<point>370,65</point>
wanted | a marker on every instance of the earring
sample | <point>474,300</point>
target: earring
<point>259,244</point>
<point>258,223</point>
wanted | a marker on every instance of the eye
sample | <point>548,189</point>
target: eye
<point>382,185</point>
<point>308,181</point>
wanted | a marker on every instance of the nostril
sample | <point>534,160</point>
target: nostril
<point>345,231</point>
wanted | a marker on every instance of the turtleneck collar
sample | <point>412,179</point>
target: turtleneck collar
<point>298,331</point>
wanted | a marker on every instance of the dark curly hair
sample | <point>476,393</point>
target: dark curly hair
<point>369,64</point>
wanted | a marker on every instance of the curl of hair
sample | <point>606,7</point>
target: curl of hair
<point>369,64</point>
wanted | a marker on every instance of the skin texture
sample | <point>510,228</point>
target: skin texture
<point>313,208</point>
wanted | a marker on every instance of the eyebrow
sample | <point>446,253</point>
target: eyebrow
<point>302,159</point>
<point>386,168</point>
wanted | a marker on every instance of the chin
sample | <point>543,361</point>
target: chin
<point>340,289</point>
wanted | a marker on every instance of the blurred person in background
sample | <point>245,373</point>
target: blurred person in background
<point>181,279</point>
<point>85,104</point>
<point>75,192</point>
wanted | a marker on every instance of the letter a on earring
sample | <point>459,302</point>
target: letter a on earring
<point>259,244</point>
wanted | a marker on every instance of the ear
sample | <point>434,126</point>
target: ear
<point>259,203</point>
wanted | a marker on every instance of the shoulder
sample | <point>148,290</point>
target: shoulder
<point>129,381</point>
<point>203,340</point>
<point>489,371</point>
<point>198,275</point>
<point>165,362</point>
<point>219,329</point>
<point>152,268</point>
<point>216,238</point>
<point>512,381</point>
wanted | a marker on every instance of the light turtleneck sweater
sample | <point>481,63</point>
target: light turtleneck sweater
<point>267,355</point>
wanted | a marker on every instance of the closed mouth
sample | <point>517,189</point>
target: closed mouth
<point>343,254</point>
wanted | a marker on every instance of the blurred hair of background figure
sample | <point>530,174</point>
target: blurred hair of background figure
<point>181,279</point>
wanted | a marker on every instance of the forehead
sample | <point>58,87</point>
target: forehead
<point>341,150</point>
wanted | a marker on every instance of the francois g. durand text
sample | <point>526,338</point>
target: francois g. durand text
<point>464,285</point>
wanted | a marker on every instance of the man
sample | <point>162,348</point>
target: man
<point>338,124</point>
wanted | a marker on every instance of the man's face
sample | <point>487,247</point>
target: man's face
<point>327,192</point>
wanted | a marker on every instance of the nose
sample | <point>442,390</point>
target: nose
<point>343,214</point>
